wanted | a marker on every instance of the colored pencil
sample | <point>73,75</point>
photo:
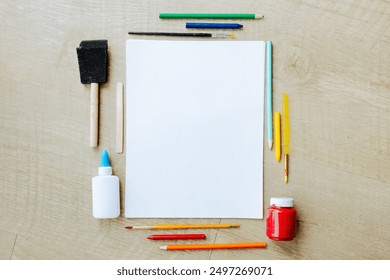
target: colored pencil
<point>208,25</point>
<point>286,135</point>
<point>176,236</point>
<point>180,34</point>
<point>211,16</point>
<point>215,246</point>
<point>165,227</point>
<point>277,136</point>
<point>269,93</point>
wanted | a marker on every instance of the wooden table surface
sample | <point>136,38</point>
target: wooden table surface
<point>331,57</point>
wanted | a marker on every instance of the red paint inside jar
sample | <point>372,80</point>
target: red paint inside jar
<point>281,223</point>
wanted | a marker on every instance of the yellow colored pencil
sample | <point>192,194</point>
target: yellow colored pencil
<point>200,226</point>
<point>214,246</point>
<point>286,135</point>
<point>277,136</point>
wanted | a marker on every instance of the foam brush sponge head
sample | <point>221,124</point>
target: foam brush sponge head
<point>92,56</point>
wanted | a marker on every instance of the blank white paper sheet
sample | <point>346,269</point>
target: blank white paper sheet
<point>194,129</point>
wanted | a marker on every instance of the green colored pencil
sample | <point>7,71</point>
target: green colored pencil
<point>212,16</point>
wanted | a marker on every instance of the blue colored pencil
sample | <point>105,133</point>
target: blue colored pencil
<point>269,93</point>
<point>213,25</point>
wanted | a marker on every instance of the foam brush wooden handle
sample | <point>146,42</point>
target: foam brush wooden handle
<point>94,125</point>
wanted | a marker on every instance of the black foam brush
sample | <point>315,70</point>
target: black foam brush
<point>92,56</point>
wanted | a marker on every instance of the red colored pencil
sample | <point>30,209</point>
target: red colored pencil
<point>176,236</point>
<point>214,246</point>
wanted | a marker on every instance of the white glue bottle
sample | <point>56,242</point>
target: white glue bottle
<point>105,191</point>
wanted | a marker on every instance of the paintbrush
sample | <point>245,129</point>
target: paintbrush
<point>92,56</point>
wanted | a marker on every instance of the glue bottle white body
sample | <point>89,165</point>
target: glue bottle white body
<point>105,191</point>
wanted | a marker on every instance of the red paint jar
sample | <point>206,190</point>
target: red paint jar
<point>281,219</point>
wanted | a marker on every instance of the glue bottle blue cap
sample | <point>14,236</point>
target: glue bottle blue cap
<point>105,168</point>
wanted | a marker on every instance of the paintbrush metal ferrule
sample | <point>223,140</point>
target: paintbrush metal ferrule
<point>286,168</point>
<point>221,35</point>
<point>139,227</point>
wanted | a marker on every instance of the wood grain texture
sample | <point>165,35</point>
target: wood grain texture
<point>331,57</point>
<point>7,244</point>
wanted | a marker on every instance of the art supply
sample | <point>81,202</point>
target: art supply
<point>215,246</point>
<point>208,25</point>
<point>281,219</point>
<point>105,191</point>
<point>200,226</point>
<point>119,118</point>
<point>286,135</point>
<point>177,34</point>
<point>277,136</point>
<point>176,236</point>
<point>210,16</point>
<point>93,58</point>
<point>196,147</point>
<point>269,93</point>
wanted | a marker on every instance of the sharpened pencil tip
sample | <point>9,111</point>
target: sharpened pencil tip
<point>270,145</point>
<point>163,247</point>
<point>128,227</point>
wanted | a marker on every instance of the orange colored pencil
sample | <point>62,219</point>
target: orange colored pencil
<point>215,246</point>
